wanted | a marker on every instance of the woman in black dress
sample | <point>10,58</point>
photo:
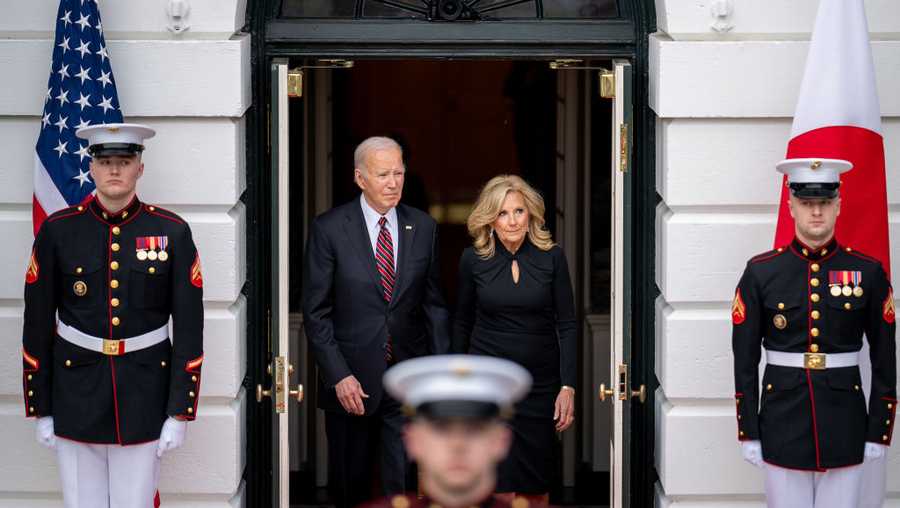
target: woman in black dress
<point>516,302</point>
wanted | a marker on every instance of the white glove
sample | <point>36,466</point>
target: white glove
<point>752,452</point>
<point>171,437</point>
<point>44,432</point>
<point>874,451</point>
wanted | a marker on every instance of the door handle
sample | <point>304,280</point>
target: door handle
<point>640,394</point>
<point>605,392</point>
<point>297,394</point>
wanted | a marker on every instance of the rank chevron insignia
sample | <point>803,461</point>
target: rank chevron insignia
<point>31,274</point>
<point>888,307</point>
<point>738,309</point>
<point>196,274</point>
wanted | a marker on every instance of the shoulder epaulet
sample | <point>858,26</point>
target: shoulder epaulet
<point>853,252</point>
<point>66,212</point>
<point>768,255</point>
<point>162,212</point>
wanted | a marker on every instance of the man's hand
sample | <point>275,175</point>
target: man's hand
<point>752,452</point>
<point>874,451</point>
<point>44,432</point>
<point>351,395</point>
<point>171,436</point>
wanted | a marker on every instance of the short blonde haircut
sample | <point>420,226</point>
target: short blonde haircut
<point>487,209</point>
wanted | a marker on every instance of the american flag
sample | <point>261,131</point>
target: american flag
<point>81,91</point>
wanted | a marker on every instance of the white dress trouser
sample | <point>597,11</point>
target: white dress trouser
<point>874,482</point>
<point>835,488</point>
<point>108,476</point>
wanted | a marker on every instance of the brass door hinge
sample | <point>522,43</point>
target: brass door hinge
<point>607,79</point>
<point>623,148</point>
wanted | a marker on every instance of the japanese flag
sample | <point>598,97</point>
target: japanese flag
<point>838,117</point>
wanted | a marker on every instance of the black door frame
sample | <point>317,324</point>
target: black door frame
<point>522,40</point>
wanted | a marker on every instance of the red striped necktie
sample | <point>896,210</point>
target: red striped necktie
<point>384,260</point>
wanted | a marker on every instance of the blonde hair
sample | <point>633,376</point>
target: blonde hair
<point>487,209</point>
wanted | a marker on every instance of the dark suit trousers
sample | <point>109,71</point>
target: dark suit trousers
<point>355,443</point>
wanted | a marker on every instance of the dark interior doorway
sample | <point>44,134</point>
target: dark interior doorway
<point>461,122</point>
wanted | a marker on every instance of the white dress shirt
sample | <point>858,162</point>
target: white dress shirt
<point>372,217</point>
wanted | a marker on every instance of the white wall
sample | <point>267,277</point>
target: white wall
<point>194,89</point>
<point>725,102</point>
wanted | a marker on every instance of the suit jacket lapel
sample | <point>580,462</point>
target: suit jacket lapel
<point>355,228</point>
<point>406,231</point>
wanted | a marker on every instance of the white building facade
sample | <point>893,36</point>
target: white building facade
<point>723,81</point>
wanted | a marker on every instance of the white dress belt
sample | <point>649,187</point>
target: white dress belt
<point>112,347</point>
<point>815,361</point>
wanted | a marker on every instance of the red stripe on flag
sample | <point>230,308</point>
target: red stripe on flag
<point>37,214</point>
<point>863,222</point>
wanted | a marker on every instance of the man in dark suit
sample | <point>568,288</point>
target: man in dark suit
<point>371,298</point>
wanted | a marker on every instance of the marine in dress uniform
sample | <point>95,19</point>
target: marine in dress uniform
<point>457,433</point>
<point>109,386</point>
<point>807,422</point>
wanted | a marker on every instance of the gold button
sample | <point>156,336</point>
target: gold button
<point>114,283</point>
<point>805,252</point>
<point>116,321</point>
<point>30,377</point>
<point>68,363</point>
<point>115,247</point>
<point>890,406</point>
<point>780,249</point>
<point>116,230</point>
<point>124,214</point>
<point>884,437</point>
<point>742,433</point>
<point>79,269</point>
<point>80,208</point>
<point>814,282</point>
<point>780,306</point>
<point>192,394</point>
<point>848,306</point>
<point>740,417</point>
<point>194,378</point>
<point>31,394</point>
<point>886,422</point>
<point>848,249</point>
<point>152,270</point>
<point>824,251</point>
<point>813,348</point>
<point>399,502</point>
<point>162,364</point>
<point>815,314</point>
<point>814,267</point>
<point>769,387</point>
<point>114,302</point>
<point>814,332</point>
<point>114,265</point>
<point>105,216</point>
<point>31,410</point>
<point>190,410</point>
<point>152,208</point>
<point>814,297</point>
<point>856,387</point>
<point>519,502</point>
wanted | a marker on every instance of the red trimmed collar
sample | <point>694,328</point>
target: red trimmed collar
<point>808,253</point>
<point>118,217</point>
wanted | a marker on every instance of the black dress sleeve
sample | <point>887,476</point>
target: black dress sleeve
<point>566,322</point>
<point>881,331</point>
<point>464,320</point>
<point>746,339</point>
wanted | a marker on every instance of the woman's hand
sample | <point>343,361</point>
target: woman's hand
<point>564,411</point>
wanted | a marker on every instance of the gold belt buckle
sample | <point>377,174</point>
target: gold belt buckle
<point>112,347</point>
<point>814,361</point>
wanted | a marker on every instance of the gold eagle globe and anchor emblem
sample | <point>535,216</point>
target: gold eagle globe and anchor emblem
<point>80,288</point>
